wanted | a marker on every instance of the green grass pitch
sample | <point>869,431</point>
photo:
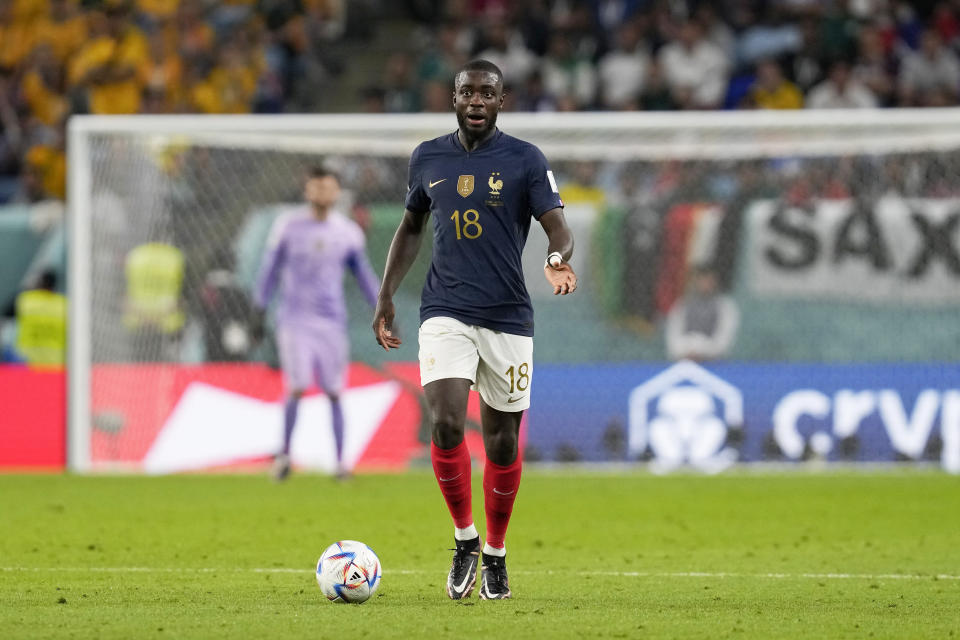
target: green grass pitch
<point>591,555</point>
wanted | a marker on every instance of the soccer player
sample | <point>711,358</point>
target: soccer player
<point>482,187</point>
<point>307,252</point>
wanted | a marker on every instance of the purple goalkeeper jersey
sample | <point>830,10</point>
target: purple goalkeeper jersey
<point>307,256</point>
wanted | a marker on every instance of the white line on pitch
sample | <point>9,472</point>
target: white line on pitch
<point>614,574</point>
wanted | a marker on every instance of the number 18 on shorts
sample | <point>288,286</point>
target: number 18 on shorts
<point>500,365</point>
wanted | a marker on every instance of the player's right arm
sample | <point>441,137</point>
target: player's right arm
<point>273,257</point>
<point>403,251</point>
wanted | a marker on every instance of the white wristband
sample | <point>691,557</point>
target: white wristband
<point>554,260</point>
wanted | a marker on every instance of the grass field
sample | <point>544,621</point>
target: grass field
<point>745,555</point>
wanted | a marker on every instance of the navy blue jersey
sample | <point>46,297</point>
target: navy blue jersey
<point>481,203</point>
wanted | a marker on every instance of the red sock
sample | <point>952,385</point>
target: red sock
<point>452,468</point>
<point>500,486</point>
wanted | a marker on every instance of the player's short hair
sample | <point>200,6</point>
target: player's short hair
<point>320,171</point>
<point>479,65</point>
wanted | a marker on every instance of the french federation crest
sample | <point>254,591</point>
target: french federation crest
<point>495,184</point>
<point>465,185</point>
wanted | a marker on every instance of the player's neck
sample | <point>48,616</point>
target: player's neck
<point>470,143</point>
<point>320,214</point>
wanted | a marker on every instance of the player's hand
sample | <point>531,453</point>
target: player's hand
<point>562,279</point>
<point>383,325</point>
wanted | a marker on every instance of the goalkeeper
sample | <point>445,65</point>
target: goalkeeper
<point>307,252</point>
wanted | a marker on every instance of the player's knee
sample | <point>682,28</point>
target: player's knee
<point>447,430</point>
<point>502,447</point>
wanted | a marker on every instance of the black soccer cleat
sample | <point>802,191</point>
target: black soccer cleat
<point>463,571</point>
<point>493,578</point>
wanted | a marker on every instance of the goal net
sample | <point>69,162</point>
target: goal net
<point>755,286</point>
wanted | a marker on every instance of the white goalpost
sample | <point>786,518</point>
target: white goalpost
<point>824,223</point>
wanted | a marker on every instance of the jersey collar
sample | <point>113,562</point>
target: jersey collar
<point>486,143</point>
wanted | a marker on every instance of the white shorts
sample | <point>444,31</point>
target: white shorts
<point>500,365</point>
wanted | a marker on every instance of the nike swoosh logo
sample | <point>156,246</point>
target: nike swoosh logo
<point>433,184</point>
<point>503,493</point>
<point>512,400</point>
<point>450,479</point>
<point>463,585</point>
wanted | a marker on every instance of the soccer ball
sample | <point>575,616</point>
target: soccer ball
<point>348,571</point>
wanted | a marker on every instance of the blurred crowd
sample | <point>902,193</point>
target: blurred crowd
<point>733,54</point>
<point>59,57</point>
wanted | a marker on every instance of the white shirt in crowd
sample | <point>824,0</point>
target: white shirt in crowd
<point>702,69</point>
<point>828,95</point>
<point>918,73</point>
<point>622,74</point>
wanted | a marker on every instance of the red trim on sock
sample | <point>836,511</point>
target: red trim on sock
<point>452,469</point>
<point>500,485</point>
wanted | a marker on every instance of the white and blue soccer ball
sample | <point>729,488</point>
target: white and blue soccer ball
<point>349,571</point>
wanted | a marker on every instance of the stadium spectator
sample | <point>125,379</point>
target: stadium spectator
<point>586,37</point>
<point>41,314</point>
<point>582,186</point>
<point>837,31</point>
<point>656,94</point>
<point>772,91</point>
<point>18,34</point>
<point>533,21</point>
<point>770,37</point>
<point>609,15</point>
<point>234,81</point>
<point>435,97</point>
<point>931,75</point>
<point>622,71</point>
<point>696,70</point>
<point>228,14</point>
<point>702,324</point>
<point>534,97</point>
<point>195,38</point>
<point>46,164</point>
<point>64,31</point>
<point>566,73</point>
<point>444,56</point>
<point>715,30</point>
<point>504,47</point>
<point>42,87</point>
<point>875,67</point>
<point>806,67</point>
<point>401,92</point>
<point>105,69</point>
<point>161,74</point>
<point>59,57</point>
<point>11,136</point>
<point>945,23</point>
<point>841,91</point>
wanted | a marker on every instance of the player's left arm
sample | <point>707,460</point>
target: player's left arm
<point>557,269</point>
